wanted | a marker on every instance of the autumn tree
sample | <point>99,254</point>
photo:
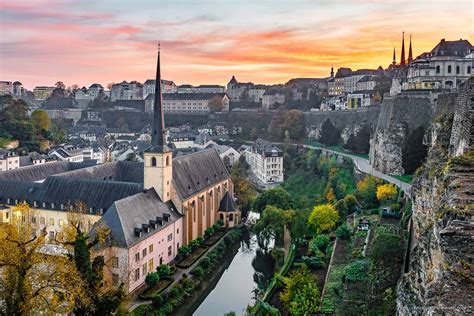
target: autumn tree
<point>41,120</point>
<point>386,192</point>
<point>32,280</point>
<point>300,295</point>
<point>323,218</point>
<point>90,265</point>
<point>216,104</point>
<point>244,190</point>
<point>366,191</point>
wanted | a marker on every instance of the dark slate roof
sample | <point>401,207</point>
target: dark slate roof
<point>263,146</point>
<point>210,86</point>
<point>191,96</point>
<point>227,203</point>
<point>14,189</point>
<point>94,193</point>
<point>41,172</point>
<point>195,172</point>
<point>132,212</point>
<point>343,72</point>
<point>125,171</point>
<point>458,48</point>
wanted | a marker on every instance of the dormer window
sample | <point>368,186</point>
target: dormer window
<point>138,232</point>
<point>146,228</point>
<point>35,204</point>
<point>52,205</point>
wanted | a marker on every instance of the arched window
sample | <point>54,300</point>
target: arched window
<point>153,161</point>
<point>458,70</point>
<point>231,217</point>
<point>167,160</point>
<point>438,69</point>
<point>221,216</point>
<point>449,69</point>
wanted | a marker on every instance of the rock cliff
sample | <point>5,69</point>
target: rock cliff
<point>440,275</point>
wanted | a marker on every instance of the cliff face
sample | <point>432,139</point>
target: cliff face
<point>399,116</point>
<point>440,280</point>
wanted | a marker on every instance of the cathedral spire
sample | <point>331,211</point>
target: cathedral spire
<point>157,136</point>
<point>394,61</point>
<point>410,55</point>
<point>402,59</point>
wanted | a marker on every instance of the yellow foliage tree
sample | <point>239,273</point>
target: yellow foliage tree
<point>386,192</point>
<point>330,196</point>
<point>33,280</point>
<point>323,218</point>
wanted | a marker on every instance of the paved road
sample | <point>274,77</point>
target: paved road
<point>364,166</point>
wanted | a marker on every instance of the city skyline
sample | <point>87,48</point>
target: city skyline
<point>207,43</point>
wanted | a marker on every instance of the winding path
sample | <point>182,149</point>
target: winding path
<point>364,166</point>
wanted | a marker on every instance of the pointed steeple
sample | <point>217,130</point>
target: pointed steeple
<point>394,61</point>
<point>332,72</point>
<point>402,58</point>
<point>157,136</point>
<point>410,55</point>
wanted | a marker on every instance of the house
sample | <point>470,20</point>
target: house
<point>228,154</point>
<point>8,160</point>
<point>167,86</point>
<point>236,89</point>
<point>126,91</point>
<point>6,87</point>
<point>41,93</point>
<point>67,153</point>
<point>33,159</point>
<point>359,99</point>
<point>449,63</point>
<point>363,225</point>
<point>266,161</point>
<point>271,99</point>
<point>188,103</point>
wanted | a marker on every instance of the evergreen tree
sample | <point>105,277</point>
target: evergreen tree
<point>330,134</point>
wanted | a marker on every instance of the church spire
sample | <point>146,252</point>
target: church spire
<point>402,59</point>
<point>394,61</point>
<point>410,55</point>
<point>157,136</point>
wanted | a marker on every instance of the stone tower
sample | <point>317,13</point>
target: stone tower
<point>158,168</point>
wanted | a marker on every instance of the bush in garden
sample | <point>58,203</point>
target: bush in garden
<point>163,270</point>
<point>216,227</point>
<point>194,244</point>
<point>168,308</point>
<point>152,279</point>
<point>357,271</point>
<point>205,263</point>
<point>395,207</point>
<point>212,256</point>
<point>210,231</point>
<point>174,291</point>
<point>157,300</point>
<point>320,243</point>
<point>198,272</point>
<point>200,240</point>
<point>220,223</point>
<point>228,240</point>
<point>184,250</point>
<point>344,232</point>
<point>313,262</point>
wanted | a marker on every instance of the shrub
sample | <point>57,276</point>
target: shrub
<point>395,207</point>
<point>205,263</point>
<point>163,270</point>
<point>157,300</point>
<point>152,279</point>
<point>344,232</point>
<point>209,232</point>
<point>212,256</point>
<point>313,262</point>
<point>184,250</point>
<point>220,223</point>
<point>198,272</point>
<point>194,244</point>
<point>357,271</point>
<point>168,308</point>
<point>174,291</point>
<point>200,240</point>
<point>320,242</point>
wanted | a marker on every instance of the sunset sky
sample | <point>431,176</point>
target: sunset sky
<point>203,42</point>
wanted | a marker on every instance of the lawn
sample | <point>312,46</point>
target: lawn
<point>193,257</point>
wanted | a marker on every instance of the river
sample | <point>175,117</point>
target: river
<point>235,288</point>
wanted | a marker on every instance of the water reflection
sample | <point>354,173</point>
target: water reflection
<point>250,270</point>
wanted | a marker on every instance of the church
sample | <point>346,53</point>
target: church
<point>151,208</point>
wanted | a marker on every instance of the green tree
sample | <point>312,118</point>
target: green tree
<point>102,100</point>
<point>323,218</point>
<point>277,197</point>
<point>366,191</point>
<point>360,141</point>
<point>300,295</point>
<point>41,120</point>
<point>294,124</point>
<point>272,223</point>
